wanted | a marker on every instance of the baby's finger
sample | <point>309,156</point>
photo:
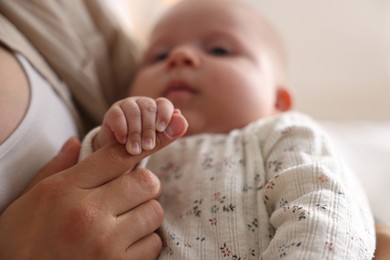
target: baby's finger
<point>115,123</point>
<point>164,113</point>
<point>133,117</point>
<point>148,109</point>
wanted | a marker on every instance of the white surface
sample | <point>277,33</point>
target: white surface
<point>339,55</point>
<point>366,148</point>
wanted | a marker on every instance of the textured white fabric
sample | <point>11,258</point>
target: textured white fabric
<point>46,126</point>
<point>273,190</point>
<point>87,148</point>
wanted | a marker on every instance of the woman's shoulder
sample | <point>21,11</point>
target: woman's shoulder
<point>14,89</point>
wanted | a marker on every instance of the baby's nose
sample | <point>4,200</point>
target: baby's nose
<point>183,57</point>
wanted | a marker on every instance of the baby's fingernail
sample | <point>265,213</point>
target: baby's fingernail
<point>173,130</point>
<point>148,144</point>
<point>161,126</point>
<point>133,148</point>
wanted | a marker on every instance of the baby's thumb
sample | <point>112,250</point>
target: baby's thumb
<point>176,128</point>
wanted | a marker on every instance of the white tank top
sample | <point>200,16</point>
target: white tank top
<point>45,127</point>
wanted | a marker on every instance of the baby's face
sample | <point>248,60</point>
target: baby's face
<point>209,60</point>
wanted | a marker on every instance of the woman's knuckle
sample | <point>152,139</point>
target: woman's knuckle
<point>155,210</point>
<point>148,181</point>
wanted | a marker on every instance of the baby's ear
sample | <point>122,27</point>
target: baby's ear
<point>284,100</point>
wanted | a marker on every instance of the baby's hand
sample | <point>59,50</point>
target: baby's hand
<point>134,121</point>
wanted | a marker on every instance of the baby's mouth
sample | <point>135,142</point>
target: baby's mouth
<point>178,90</point>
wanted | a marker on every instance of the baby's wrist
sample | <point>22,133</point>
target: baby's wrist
<point>88,145</point>
<point>94,138</point>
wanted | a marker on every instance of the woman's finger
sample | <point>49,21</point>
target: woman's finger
<point>149,247</point>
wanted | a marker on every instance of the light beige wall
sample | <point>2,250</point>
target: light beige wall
<point>339,52</point>
<point>339,55</point>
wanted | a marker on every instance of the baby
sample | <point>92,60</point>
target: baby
<point>250,180</point>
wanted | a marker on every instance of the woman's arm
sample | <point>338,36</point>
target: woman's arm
<point>14,93</point>
<point>382,251</point>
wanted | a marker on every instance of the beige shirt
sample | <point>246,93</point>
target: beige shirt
<point>78,42</point>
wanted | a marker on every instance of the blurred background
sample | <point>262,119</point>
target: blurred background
<point>339,51</point>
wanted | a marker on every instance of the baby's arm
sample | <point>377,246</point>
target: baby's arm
<point>134,121</point>
<point>315,204</point>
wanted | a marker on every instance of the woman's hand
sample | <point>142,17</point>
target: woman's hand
<point>96,209</point>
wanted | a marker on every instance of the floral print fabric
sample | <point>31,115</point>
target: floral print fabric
<point>273,190</point>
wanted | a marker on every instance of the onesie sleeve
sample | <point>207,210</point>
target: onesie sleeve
<point>316,205</point>
<point>86,144</point>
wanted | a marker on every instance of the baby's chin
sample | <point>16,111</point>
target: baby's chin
<point>197,124</point>
<point>193,131</point>
<point>196,130</point>
<point>200,124</point>
<point>208,128</point>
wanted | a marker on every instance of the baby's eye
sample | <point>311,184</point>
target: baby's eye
<point>219,51</point>
<point>160,57</point>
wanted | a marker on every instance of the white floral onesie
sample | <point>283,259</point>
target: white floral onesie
<point>275,189</point>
